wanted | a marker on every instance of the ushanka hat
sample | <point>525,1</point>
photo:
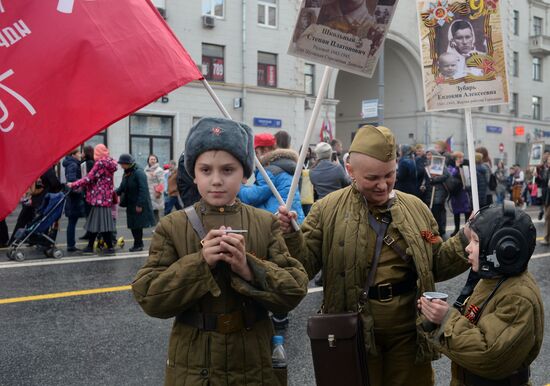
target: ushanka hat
<point>377,142</point>
<point>220,134</point>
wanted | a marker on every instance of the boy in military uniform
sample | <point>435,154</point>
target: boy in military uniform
<point>498,333</point>
<point>220,285</point>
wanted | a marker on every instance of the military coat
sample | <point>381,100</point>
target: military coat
<point>176,278</point>
<point>334,238</point>
<point>507,336</point>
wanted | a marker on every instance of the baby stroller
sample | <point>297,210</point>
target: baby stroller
<point>42,231</point>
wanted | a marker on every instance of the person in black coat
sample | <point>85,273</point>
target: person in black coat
<point>134,196</point>
<point>188,189</point>
<point>4,236</point>
<point>406,172</point>
<point>74,207</point>
<point>87,165</point>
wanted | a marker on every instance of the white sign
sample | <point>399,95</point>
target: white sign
<point>369,108</point>
<point>344,34</point>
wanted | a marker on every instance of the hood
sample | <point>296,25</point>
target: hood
<point>285,159</point>
<point>70,160</point>
<point>108,163</point>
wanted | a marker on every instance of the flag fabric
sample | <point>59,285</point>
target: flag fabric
<point>326,131</point>
<point>68,70</point>
<point>450,143</point>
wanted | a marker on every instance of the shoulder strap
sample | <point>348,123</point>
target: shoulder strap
<point>478,315</point>
<point>195,221</point>
<point>380,230</point>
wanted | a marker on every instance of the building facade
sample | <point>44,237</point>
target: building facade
<point>241,48</point>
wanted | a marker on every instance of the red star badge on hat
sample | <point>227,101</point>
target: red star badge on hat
<point>217,131</point>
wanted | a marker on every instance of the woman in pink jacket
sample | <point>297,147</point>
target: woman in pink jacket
<point>99,195</point>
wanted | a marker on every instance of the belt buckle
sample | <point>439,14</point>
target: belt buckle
<point>229,323</point>
<point>388,240</point>
<point>388,287</point>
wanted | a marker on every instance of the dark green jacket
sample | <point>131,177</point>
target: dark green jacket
<point>176,278</point>
<point>333,238</point>
<point>133,191</point>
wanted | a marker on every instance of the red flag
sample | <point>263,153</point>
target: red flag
<point>68,70</point>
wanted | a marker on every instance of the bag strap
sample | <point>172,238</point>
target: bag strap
<point>195,221</point>
<point>380,230</point>
<point>478,315</point>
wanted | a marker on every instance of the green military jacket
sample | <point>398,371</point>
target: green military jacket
<point>333,238</point>
<point>176,278</point>
<point>508,335</point>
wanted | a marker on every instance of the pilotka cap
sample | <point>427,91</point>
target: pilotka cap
<point>377,142</point>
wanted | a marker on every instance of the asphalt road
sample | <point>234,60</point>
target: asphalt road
<point>74,321</point>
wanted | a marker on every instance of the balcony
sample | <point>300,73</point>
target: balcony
<point>539,45</point>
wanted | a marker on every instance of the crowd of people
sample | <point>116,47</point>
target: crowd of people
<point>234,257</point>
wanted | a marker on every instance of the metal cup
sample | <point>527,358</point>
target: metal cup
<point>426,324</point>
<point>435,295</point>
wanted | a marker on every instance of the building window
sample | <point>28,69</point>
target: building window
<point>309,79</point>
<point>494,109</point>
<point>213,8</point>
<point>537,26</point>
<point>100,137</point>
<point>537,68</point>
<point>515,64</point>
<point>151,134</point>
<point>267,13</point>
<point>537,107</point>
<point>213,67</point>
<point>267,69</point>
<point>515,104</point>
<point>516,23</point>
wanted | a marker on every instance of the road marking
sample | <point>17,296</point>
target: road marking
<point>92,291</point>
<point>65,294</point>
<point>27,248</point>
<point>71,260</point>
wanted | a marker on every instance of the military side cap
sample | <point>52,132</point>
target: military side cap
<point>220,134</point>
<point>377,142</point>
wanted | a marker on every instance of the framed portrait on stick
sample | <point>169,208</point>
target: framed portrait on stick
<point>463,57</point>
<point>535,155</point>
<point>437,165</point>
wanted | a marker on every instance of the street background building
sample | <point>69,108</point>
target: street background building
<point>241,49</point>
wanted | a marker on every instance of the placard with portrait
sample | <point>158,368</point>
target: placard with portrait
<point>463,56</point>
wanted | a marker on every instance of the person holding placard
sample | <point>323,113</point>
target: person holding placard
<point>366,225</point>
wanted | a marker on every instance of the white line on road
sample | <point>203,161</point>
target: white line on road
<point>71,260</point>
<point>123,256</point>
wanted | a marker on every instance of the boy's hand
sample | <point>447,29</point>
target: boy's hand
<point>285,219</point>
<point>234,253</point>
<point>211,250</point>
<point>218,245</point>
<point>434,310</point>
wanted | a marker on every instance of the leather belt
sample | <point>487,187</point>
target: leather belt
<point>517,378</point>
<point>223,323</point>
<point>386,291</point>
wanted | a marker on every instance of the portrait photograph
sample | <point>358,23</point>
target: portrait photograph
<point>535,156</point>
<point>345,34</point>
<point>437,165</point>
<point>463,55</point>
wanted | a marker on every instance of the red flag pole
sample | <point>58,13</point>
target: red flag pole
<point>256,161</point>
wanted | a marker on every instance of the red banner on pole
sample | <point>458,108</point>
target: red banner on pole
<point>68,70</point>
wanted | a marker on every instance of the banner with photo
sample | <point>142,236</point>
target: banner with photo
<point>463,57</point>
<point>345,34</point>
